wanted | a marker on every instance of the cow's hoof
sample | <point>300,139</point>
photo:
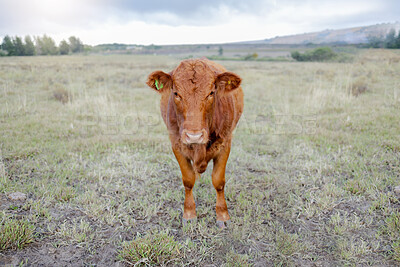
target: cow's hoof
<point>223,224</point>
<point>189,221</point>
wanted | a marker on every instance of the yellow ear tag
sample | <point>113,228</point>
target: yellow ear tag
<point>229,82</point>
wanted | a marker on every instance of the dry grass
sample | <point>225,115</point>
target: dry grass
<point>358,87</point>
<point>310,179</point>
<point>61,94</point>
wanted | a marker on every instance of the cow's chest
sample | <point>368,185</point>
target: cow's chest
<point>203,152</point>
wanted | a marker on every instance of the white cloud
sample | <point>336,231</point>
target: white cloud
<point>178,21</point>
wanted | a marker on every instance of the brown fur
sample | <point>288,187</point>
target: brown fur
<point>200,96</point>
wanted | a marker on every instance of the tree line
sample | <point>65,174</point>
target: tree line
<point>44,45</point>
<point>390,41</point>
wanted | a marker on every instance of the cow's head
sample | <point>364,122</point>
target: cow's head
<point>194,89</point>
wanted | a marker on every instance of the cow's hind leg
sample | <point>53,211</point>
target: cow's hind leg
<point>188,179</point>
<point>218,180</point>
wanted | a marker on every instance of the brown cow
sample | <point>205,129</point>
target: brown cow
<point>201,104</point>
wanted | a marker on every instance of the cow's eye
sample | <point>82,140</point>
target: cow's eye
<point>177,96</point>
<point>211,94</point>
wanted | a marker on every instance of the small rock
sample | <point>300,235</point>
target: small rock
<point>17,196</point>
<point>397,190</point>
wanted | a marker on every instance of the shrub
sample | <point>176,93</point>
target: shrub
<point>296,56</point>
<point>61,94</point>
<point>253,56</point>
<point>358,87</point>
<point>317,54</point>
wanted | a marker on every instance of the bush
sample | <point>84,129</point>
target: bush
<point>296,56</point>
<point>61,94</point>
<point>317,54</point>
<point>253,56</point>
<point>358,87</point>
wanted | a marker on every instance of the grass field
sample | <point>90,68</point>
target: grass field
<point>312,179</point>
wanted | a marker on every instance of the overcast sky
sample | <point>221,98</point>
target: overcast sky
<point>186,22</point>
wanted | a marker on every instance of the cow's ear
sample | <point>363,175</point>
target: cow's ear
<point>228,81</point>
<point>159,81</point>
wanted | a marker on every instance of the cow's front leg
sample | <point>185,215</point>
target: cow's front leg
<point>188,179</point>
<point>218,180</point>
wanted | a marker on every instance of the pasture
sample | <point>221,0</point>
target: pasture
<point>312,180</point>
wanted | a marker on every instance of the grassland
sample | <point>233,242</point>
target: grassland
<point>311,180</point>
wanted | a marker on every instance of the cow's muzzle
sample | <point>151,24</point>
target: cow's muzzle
<point>194,137</point>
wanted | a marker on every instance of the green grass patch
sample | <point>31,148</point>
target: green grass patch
<point>157,248</point>
<point>15,234</point>
<point>392,231</point>
<point>234,259</point>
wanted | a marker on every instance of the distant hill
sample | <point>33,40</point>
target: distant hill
<point>268,48</point>
<point>356,35</point>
